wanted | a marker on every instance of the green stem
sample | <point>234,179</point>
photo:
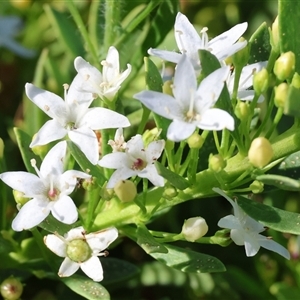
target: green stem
<point>93,22</point>
<point>277,118</point>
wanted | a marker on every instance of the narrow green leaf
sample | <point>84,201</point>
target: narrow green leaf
<point>281,182</point>
<point>209,63</point>
<point>189,261</point>
<point>85,164</point>
<point>271,217</point>
<point>175,179</point>
<point>148,242</point>
<point>290,166</point>
<point>86,287</point>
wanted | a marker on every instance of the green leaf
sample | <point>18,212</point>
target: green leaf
<point>148,242</point>
<point>189,261</point>
<point>291,104</point>
<point>259,43</point>
<point>117,270</point>
<point>175,179</point>
<point>209,62</point>
<point>86,287</point>
<point>281,182</point>
<point>288,22</point>
<point>271,217</point>
<point>66,31</point>
<point>85,164</point>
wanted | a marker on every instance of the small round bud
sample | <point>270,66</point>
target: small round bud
<point>261,81</point>
<point>195,141</point>
<point>170,193</point>
<point>241,57</point>
<point>167,88</point>
<point>296,81</point>
<point>11,288</point>
<point>194,228</point>
<point>257,187</point>
<point>260,152</point>
<point>285,65</point>
<point>275,36</point>
<point>20,4</point>
<point>78,250</point>
<point>125,190</point>
<point>281,92</point>
<point>216,163</point>
<point>242,110</point>
<point>222,237</point>
<point>19,197</point>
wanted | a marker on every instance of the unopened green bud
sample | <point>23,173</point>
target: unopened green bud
<point>261,81</point>
<point>11,288</point>
<point>167,88</point>
<point>19,197</point>
<point>274,35</point>
<point>89,184</point>
<point>281,92</point>
<point>151,135</point>
<point>285,65</point>
<point>260,152</point>
<point>242,110</point>
<point>257,187</point>
<point>195,141</point>
<point>222,237</point>
<point>125,190</point>
<point>78,250</point>
<point>194,228</point>
<point>170,193</point>
<point>1,148</point>
<point>296,81</point>
<point>241,57</point>
<point>216,163</point>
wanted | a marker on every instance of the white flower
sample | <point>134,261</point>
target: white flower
<point>189,42</point>
<point>74,118</point>
<point>118,144</point>
<point>107,84</point>
<point>246,231</point>
<point>246,81</point>
<point>9,27</point>
<point>191,105</point>
<point>135,161</point>
<point>81,250</point>
<point>49,191</point>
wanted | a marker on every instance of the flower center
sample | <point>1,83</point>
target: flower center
<point>138,164</point>
<point>191,115</point>
<point>70,126</point>
<point>53,194</point>
<point>78,250</point>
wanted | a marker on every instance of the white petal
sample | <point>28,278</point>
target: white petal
<point>216,119</point>
<point>166,55</point>
<point>162,104</point>
<point>86,141</point>
<point>30,215</point>
<point>111,68</point>
<point>75,233</point>
<point>51,104</point>
<point>56,245</point>
<point>230,222</point>
<point>24,182</point>
<point>251,245</point>
<point>93,268</point>
<point>53,162</point>
<point>135,147</point>
<point>68,268</point>
<point>100,240</point>
<point>220,192</point>
<point>151,174</point>
<point>120,174</point>
<point>122,76</point>
<point>50,131</point>
<point>238,236</point>
<point>114,160</point>
<point>68,180</point>
<point>64,210</point>
<point>154,150</point>
<point>102,118</point>
<point>223,53</point>
<point>179,131</point>
<point>273,246</point>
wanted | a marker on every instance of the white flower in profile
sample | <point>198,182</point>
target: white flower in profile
<point>191,105</point>
<point>246,231</point>
<point>135,161</point>
<point>9,28</point>
<point>81,250</point>
<point>118,144</point>
<point>105,84</point>
<point>74,118</point>
<point>246,81</point>
<point>48,192</point>
<point>189,42</point>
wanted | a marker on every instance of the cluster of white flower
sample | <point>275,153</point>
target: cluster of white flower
<point>191,106</point>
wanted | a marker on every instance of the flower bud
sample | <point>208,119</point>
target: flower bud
<point>216,163</point>
<point>78,250</point>
<point>167,88</point>
<point>281,92</point>
<point>261,81</point>
<point>21,4</point>
<point>125,190</point>
<point>257,187</point>
<point>260,152</point>
<point>285,65</point>
<point>222,237</point>
<point>275,36</point>
<point>19,197</point>
<point>242,110</point>
<point>11,288</point>
<point>195,141</point>
<point>296,81</point>
<point>194,228</point>
<point>241,57</point>
<point>170,193</point>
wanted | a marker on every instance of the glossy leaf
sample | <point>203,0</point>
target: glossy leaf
<point>282,182</point>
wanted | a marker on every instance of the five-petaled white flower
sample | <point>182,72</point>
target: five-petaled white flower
<point>74,118</point>
<point>135,161</point>
<point>9,27</point>
<point>246,231</point>
<point>49,191</point>
<point>189,42</point>
<point>118,144</point>
<point>81,250</point>
<point>191,105</point>
<point>105,84</point>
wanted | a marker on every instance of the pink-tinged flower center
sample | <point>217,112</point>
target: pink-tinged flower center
<point>53,194</point>
<point>139,164</point>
